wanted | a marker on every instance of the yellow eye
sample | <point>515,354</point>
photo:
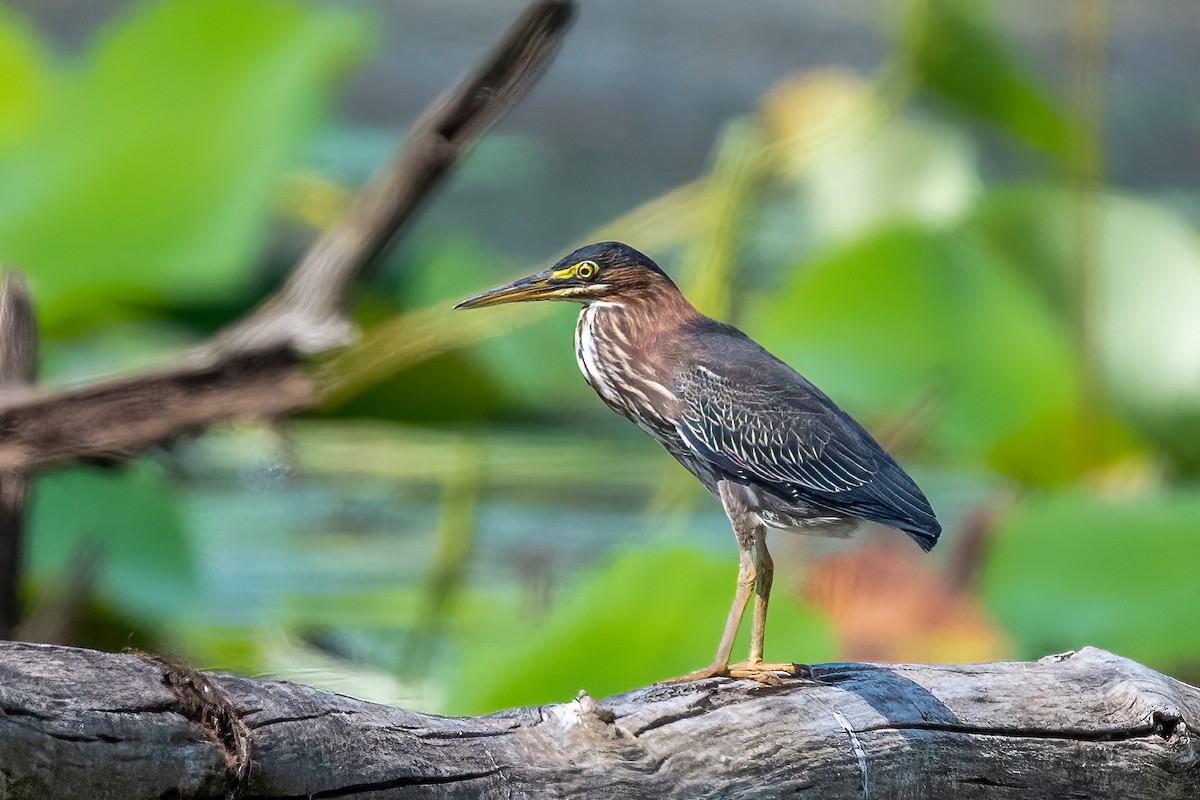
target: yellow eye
<point>586,270</point>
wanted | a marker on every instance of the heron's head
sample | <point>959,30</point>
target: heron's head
<point>608,271</point>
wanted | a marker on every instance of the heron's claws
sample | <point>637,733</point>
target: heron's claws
<point>711,671</point>
<point>768,674</point>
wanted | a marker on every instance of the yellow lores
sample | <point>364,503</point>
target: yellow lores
<point>584,271</point>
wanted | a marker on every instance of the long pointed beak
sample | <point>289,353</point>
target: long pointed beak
<point>534,287</point>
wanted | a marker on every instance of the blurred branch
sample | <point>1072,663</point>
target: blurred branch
<point>970,551</point>
<point>254,367</point>
<point>402,341</point>
<point>1086,724</point>
<point>116,418</point>
<point>18,365</point>
<point>412,337</point>
<point>454,546</point>
<point>737,167</point>
<point>1089,58</point>
<point>308,314</point>
<point>54,616</point>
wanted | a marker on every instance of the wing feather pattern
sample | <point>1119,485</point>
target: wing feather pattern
<point>778,431</point>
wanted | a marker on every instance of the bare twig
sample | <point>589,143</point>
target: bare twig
<point>253,368</point>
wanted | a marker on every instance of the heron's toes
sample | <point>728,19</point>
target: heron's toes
<point>711,671</point>
<point>759,666</point>
<point>769,674</point>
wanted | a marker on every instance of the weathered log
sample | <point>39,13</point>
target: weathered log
<point>77,723</point>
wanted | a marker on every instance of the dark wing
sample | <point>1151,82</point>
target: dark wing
<point>763,423</point>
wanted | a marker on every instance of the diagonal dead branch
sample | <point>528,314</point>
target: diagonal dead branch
<point>118,418</point>
<point>307,316</point>
<point>254,368</point>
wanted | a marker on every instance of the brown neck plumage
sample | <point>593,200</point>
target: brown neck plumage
<point>643,316</point>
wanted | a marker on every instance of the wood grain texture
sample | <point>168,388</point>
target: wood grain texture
<point>78,723</point>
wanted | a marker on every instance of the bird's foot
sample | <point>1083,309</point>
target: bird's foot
<point>769,674</point>
<point>711,671</point>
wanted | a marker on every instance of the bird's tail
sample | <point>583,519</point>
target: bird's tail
<point>926,537</point>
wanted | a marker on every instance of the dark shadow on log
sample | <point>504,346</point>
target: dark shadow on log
<point>883,688</point>
<point>78,723</point>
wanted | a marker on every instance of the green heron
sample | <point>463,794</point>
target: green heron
<point>774,449</point>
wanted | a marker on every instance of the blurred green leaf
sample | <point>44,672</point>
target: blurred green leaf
<point>649,615</point>
<point>865,321</point>
<point>445,268</point>
<point>120,347</point>
<point>455,366</point>
<point>154,172</point>
<point>25,77</point>
<point>951,53</point>
<point>909,170</point>
<point>133,520</point>
<point>909,316</point>
<point>437,389</point>
<point>1145,284</point>
<point>729,196</point>
<point>1029,226</point>
<point>1078,569</point>
<point>532,364</point>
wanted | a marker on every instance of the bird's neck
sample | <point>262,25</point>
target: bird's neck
<point>618,340</point>
<point>640,320</point>
<point>626,351</point>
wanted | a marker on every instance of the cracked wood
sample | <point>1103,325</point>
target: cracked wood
<point>77,723</point>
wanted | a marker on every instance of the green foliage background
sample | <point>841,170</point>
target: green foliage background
<point>462,526</point>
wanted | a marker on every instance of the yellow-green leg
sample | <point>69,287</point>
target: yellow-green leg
<point>764,567</point>
<point>755,573</point>
<point>745,585</point>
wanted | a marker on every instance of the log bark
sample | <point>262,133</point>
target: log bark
<point>78,723</point>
